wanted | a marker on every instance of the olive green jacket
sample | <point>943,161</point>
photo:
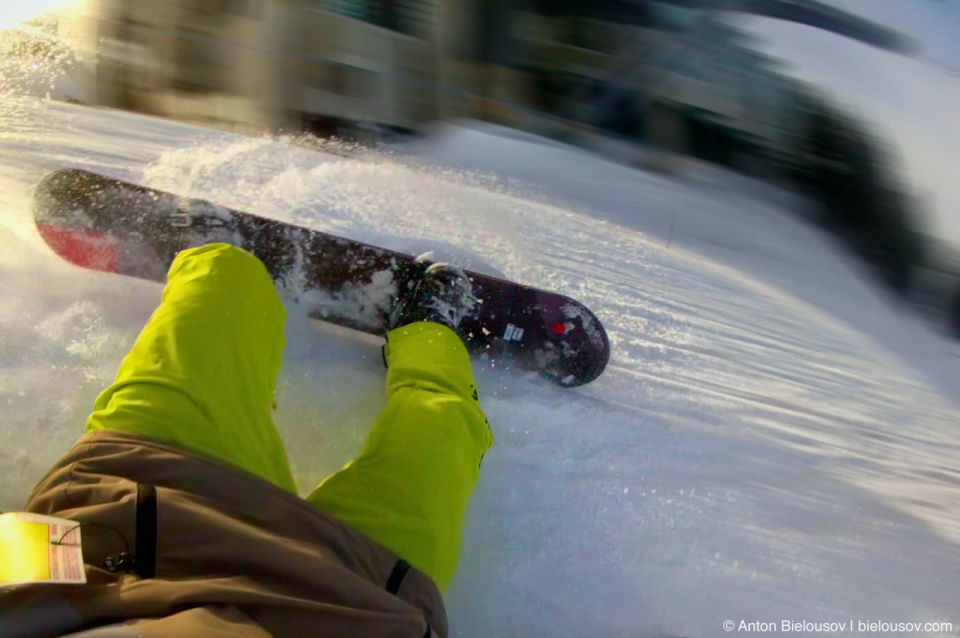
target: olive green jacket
<point>198,548</point>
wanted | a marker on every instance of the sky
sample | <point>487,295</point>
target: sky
<point>932,22</point>
<point>911,100</point>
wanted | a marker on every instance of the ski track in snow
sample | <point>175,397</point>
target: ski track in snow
<point>755,450</point>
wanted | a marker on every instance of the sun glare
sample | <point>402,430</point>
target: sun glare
<point>13,12</point>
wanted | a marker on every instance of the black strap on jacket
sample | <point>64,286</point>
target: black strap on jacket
<point>146,546</point>
<point>397,575</point>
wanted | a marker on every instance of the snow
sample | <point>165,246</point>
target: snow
<point>773,438</point>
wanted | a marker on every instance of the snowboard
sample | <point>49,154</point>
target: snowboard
<point>105,224</point>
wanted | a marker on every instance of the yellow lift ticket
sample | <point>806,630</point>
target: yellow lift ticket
<point>39,549</point>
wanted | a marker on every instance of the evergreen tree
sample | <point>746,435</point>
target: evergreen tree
<point>841,164</point>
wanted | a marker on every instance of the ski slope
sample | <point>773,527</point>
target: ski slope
<point>771,441</point>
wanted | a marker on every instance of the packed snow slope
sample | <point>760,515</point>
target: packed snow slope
<point>771,440</point>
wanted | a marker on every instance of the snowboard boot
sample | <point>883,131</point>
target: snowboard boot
<point>439,292</point>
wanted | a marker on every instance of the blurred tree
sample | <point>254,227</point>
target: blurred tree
<point>844,166</point>
<point>955,312</point>
<point>615,11</point>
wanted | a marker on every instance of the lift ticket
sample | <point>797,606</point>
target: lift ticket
<point>39,549</point>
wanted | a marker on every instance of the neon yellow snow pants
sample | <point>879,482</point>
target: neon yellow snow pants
<point>202,376</point>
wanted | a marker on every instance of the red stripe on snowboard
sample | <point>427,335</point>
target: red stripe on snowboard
<point>81,247</point>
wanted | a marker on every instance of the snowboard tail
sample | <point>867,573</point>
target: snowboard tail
<point>104,224</point>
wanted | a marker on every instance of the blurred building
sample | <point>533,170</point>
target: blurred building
<point>674,73</point>
<point>263,64</point>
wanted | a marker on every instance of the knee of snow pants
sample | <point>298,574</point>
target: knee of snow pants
<point>203,372</point>
<point>408,489</point>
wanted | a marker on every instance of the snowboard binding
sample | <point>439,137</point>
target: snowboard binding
<point>437,292</point>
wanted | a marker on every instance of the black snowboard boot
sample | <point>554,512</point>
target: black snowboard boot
<point>439,292</point>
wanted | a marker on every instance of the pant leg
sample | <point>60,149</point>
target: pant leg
<point>408,489</point>
<point>203,372</point>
